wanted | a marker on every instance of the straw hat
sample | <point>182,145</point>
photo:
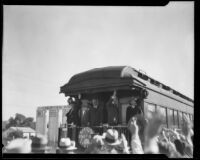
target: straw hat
<point>19,145</point>
<point>111,137</point>
<point>67,144</point>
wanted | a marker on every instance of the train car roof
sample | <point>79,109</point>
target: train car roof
<point>114,77</point>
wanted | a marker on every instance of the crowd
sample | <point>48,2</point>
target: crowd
<point>147,136</point>
<point>157,140</point>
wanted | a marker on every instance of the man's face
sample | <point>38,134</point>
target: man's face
<point>133,102</point>
<point>94,102</point>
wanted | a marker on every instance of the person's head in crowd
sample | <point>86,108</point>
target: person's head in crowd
<point>19,145</point>
<point>70,100</point>
<point>96,146</point>
<point>95,103</point>
<point>112,141</point>
<point>67,145</point>
<point>39,144</point>
<point>111,137</point>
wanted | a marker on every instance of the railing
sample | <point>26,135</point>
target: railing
<point>73,132</point>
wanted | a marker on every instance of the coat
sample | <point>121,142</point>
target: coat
<point>96,115</point>
<point>72,115</point>
<point>112,112</point>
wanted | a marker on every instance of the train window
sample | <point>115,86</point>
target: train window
<point>162,111</point>
<point>176,118</point>
<point>150,109</point>
<point>180,116</point>
<point>170,117</point>
<point>186,116</point>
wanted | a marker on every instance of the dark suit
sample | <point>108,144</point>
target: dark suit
<point>72,115</point>
<point>96,115</point>
<point>113,112</point>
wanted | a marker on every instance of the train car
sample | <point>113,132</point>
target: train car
<point>127,82</point>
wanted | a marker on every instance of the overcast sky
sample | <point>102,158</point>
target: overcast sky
<point>43,46</point>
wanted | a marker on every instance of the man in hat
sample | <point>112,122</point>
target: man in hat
<point>96,113</point>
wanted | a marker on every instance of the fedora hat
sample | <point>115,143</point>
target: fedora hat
<point>67,144</point>
<point>111,137</point>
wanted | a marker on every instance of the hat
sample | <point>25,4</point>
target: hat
<point>19,145</point>
<point>39,143</point>
<point>111,137</point>
<point>67,144</point>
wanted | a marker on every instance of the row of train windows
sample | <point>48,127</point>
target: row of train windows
<point>172,117</point>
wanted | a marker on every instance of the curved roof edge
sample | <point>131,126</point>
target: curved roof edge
<point>118,72</point>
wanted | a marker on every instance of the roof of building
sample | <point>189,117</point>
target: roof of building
<point>23,129</point>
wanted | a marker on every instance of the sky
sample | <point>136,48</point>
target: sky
<point>44,46</point>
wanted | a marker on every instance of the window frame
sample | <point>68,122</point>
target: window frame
<point>146,109</point>
<point>165,110</point>
<point>176,118</point>
<point>169,116</point>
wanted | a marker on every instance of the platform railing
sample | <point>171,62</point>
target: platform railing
<point>72,131</point>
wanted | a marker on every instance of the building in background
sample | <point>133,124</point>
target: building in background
<point>27,131</point>
<point>48,121</point>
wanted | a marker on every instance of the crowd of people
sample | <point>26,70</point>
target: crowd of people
<point>157,140</point>
<point>95,112</point>
<point>147,136</point>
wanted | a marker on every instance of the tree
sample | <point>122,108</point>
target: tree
<point>28,122</point>
<point>19,118</point>
<point>20,121</point>
<point>11,123</point>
